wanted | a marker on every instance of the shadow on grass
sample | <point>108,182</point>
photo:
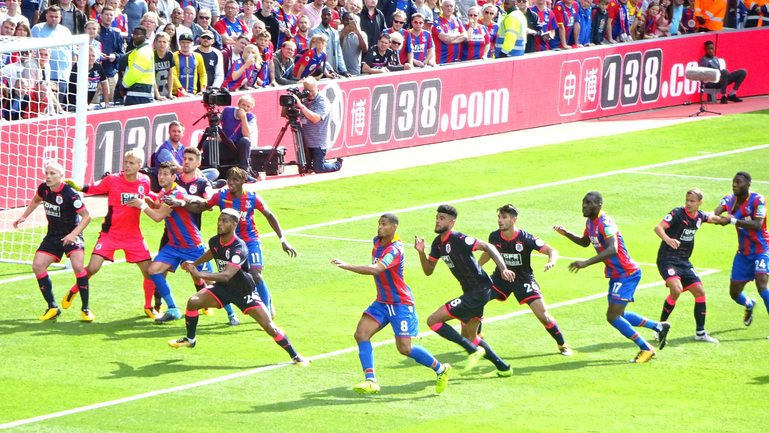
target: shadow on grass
<point>170,366</point>
<point>760,380</point>
<point>484,373</point>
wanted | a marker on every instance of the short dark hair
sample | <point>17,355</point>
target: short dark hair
<point>594,196</point>
<point>142,29</point>
<point>744,174</point>
<point>193,150</point>
<point>709,43</point>
<point>384,36</point>
<point>448,210</point>
<point>237,173</point>
<point>508,209</point>
<point>168,165</point>
<point>107,9</point>
<point>389,216</point>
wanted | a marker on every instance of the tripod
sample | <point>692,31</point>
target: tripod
<point>702,102</point>
<point>299,144</point>
<point>211,138</point>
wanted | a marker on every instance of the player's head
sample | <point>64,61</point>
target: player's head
<point>388,223</point>
<point>591,204</point>
<point>191,159</point>
<point>507,216</point>
<point>694,200</point>
<point>741,184</point>
<point>132,161</point>
<point>447,216</point>
<point>236,177</point>
<point>710,48</point>
<point>166,174</point>
<point>228,221</point>
<point>53,174</point>
<point>175,131</point>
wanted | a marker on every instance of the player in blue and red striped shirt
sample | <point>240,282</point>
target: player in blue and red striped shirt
<point>394,305</point>
<point>448,34</point>
<point>746,210</point>
<point>621,270</point>
<point>418,44</point>
<point>478,42</point>
<point>562,21</point>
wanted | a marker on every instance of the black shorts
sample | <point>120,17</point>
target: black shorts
<point>525,292</point>
<point>469,306</point>
<point>244,303</point>
<point>53,246</point>
<point>682,270</point>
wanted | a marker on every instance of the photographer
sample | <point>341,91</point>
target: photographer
<point>315,118</point>
<point>239,124</point>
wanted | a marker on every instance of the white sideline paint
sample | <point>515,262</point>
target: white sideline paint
<point>284,364</point>
<point>695,177</point>
<point>481,197</point>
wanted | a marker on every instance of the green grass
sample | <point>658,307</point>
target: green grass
<point>51,367</point>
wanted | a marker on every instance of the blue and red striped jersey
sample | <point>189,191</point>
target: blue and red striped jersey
<point>182,231</point>
<point>563,15</point>
<point>246,204</point>
<point>390,287</point>
<point>544,19</point>
<point>751,241</point>
<point>286,20</point>
<point>311,60</point>
<point>232,83</point>
<point>598,230</point>
<point>447,53</point>
<point>418,45</point>
<point>391,31</point>
<point>493,30</point>
<point>619,15</point>
<point>478,38</point>
<point>301,42</point>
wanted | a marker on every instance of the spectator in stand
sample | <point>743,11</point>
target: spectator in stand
<point>184,3</point>
<point>96,8</point>
<point>111,47</point>
<point>427,14</point>
<point>71,17</point>
<point>213,12</point>
<point>7,29</point>
<point>315,118</point>
<point>513,28</point>
<point>97,80</point>
<point>545,15</point>
<point>380,58</point>
<point>710,14</point>
<point>166,9</point>
<point>313,60</point>
<point>340,9</point>
<point>533,26</point>
<point>583,25</point>
<point>134,11</point>
<point>688,23</point>
<point>600,21</point>
<point>398,23</point>
<point>152,6</point>
<point>212,59</point>
<point>638,29</point>
<point>177,15</point>
<point>448,34</point>
<point>23,30</point>
<point>566,34</point>
<point>420,51</point>
<point>151,22</point>
<point>13,13</point>
<point>407,8</point>
<point>675,13</point>
<point>120,22</point>
<point>189,69</point>
<point>709,60</point>
<point>334,58</point>
<point>92,30</point>
<point>282,63</point>
<point>204,23</point>
<point>244,70</point>
<point>269,19</point>
<point>170,30</point>
<point>165,79</point>
<point>264,46</point>
<point>31,10</point>
<point>355,6</point>
<point>40,97</point>
<point>188,25</point>
<point>139,79</point>
<point>478,42</point>
<point>372,21</point>
<point>652,20</point>
<point>229,27</point>
<point>61,57</point>
<point>663,19</point>
<point>247,16</point>
<point>618,26</point>
<point>435,7</point>
<point>354,44</point>
<point>488,12</point>
<point>335,21</point>
<point>757,14</point>
<point>16,103</point>
<point>302,37</point>
<point>232,53</point>
<point>635,8</point>
<point>84,6</point>
<point>396,44</point>
<point>298,9</point>
<point>256,29</point>
<point>462,7</point>
<point>313,11</point>
<point>286,22</point>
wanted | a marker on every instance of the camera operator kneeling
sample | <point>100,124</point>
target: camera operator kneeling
<point>239,124</point>
<point>315,118</point>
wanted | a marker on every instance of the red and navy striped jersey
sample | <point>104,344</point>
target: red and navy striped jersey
<point>447,53</point>
<point>233,83</point>
<point>390,287</point>
<point>121,221</point>
<point>198,186</point>
<point>120,23</point>
<point>311,60</point>
<point>418,44</point>
<point>61,208</point>
<point>603,227</point>
<point>751,241</point>
<point>493,30</point>
<point>286,20</point>
<point>301,42</point>
<point>544,19</point>
<point>391,31</point>
<point>456,250</point>
<point>563,15</point>
<point>516,252</point>
<point>232,29</point>
<point>682,227</point>
<point>182,231</point>
<point>619,14</point>
<point>246,204</point>
<point>478,38</point>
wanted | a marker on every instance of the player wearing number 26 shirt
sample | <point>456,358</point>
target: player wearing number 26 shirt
<point>394,305</point>
<point>516,247</point>
<point>456,250</point>
<point>623,273</point>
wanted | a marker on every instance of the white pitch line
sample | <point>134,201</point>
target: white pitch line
<point>694,177</point>
<point>284,364</point>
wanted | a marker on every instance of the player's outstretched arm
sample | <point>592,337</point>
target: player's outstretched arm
<point>157,215</point>
<point>85,219</point>
<point>229,271</point>
<point>552,256</point>
<point>195,204</point>
<point>33,204</point>
<point>491,250</point>
<point>609,252</point>
<point>428,266</point>
<point>374,269</point>
<point>582,241</point>
<point>273,221</point>
<point>660,230</point>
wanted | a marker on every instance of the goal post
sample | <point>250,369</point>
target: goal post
<point>40,125</point>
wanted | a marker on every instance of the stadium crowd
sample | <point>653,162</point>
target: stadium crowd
<point>162,49</point>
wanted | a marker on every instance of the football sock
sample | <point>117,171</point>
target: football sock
<point>191,320</point>
<point>82,284</point>
<point>46,287</point>
<point>699,313</point>
<point>366,355</point>
<point>626,329</point>
<point>261,288</point>
<point>493,357</point>
<point>283,342</point>
<point>667,308</point>
<point>638,320</point>
<point>156,295</point>
<point>164,289</point>
<point>149,290</point>
<point>422,356</point>
<point>200,286</point>
<point>229,310</point>
<point>74,289</point>
<point>742,299</point>
<point>452,335</point>
<point>765,297</point>
<point>555,332</point>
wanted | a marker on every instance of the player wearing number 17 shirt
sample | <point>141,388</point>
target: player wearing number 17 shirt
<point>677,232</point>
<point>394,305</point>
<point>516,247</point>
<point>621,270</point>
<point>456,250</point>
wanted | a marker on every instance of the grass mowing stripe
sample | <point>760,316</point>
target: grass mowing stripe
<point>693,177</point>
<point>284,364</point>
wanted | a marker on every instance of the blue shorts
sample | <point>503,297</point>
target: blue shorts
<point>621,290</point>
<point>174,256</point>
<point>255,254</point>
<point>745,268</point>
<point>402,317</point>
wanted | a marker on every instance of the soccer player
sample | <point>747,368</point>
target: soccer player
<point>394,305</point>
<point>456,249</point>
<point>67,218</point>
<point>120,229</point>
<point>516,247</point>
<point>746,210</point>
<point>232,284</point>
<point>621,270</point>
<point>677,232</point>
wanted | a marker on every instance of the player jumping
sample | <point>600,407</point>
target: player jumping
<point>394,305</point>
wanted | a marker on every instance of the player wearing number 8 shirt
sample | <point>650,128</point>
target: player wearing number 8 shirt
<point>622,271</point>
<point>394,305</point>
<point>677,232</point>
<point>456,250</point>
<point>516,247</point>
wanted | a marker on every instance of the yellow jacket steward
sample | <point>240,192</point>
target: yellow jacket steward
<point>139,78</point>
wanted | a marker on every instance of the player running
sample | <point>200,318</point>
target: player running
<point>621,270</point>
<point>746,210</point>
<point>120,229</point>
<point>232,284</point>
<point>456,249</point>
<point>516,247</point>
<point>67,218</point>
<point>394,305</point>
<point>677,232</point>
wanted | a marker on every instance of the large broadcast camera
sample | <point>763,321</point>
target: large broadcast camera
<point>209,142</point>
<point>291,112</point>
<point>289,102</point>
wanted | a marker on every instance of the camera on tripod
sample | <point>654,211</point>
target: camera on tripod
<point>214,97</point>
<point>288,101</point>
<point>209,141</point>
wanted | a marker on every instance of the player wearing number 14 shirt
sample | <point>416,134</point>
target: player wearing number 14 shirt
<point>516,247</point>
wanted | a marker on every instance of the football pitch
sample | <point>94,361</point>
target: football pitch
<point>118,373</point>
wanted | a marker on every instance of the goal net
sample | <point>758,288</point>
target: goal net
<point>43,100</point>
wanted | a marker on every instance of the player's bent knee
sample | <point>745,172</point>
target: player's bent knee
<point>404,346</point>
